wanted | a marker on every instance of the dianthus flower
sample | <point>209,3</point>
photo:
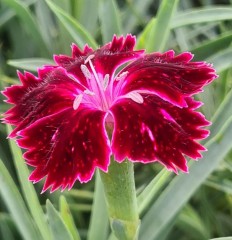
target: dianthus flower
<point>111,101</point>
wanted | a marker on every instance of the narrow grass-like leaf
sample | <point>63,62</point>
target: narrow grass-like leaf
<point>81,207</point>
<point>135,14</point>
<point>88,8</point>
<point>223,185</point>
<point>78,32</point>
<point>57,226</point>
<point>30,64</point>
<point>80,194</point>
<point>223,238</point>
<point>222,114</point>
<point>200,15</point>
<point>28,189</point>
<point>98,229</point>
<point>161,29</point>
<point>221,60</point>
<point>110,19</point>
<point>68,219</point>
<point>46,24</point>
<point>16,206</point>
<point>192,224</point>
<point>207,49</point>
<point>7,14</point>
<point>182,187</point>
<point>29,22</point>
<point>153,188</point>
<point>6,228</point>
<point>141,42</point>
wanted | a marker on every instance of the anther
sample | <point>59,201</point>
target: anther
<point>106,81</point>
<point>90,57</point>
<point>85,71</point>
<point>135,96</point>
<point>122,76</point>
<point>77,101</point>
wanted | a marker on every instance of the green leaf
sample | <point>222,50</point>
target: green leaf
<point>190,222</point>
<point>223,185</point>
<point>183,186</point>
<point>135,14</point>
<point>200,15</point>
<point>30,64</point>
<point>28,189</point>
<point>57,226</point>
<point>98,229</point>
<point>223,238</point>
<point>7,228</point>
<point>46,25</point>
<point>14,202</point>
<point>147,195</point>
<point>210,47</point>
<point>221,60</point>
<point>160,31</point>
<point>223,113</point>
<point>110,19</point>
<point>78,32</point>
<point>29,22</point>
<point>80,194</point>
<point>67,218</point>
<point>7,14</point>
<point>142,40</point>
<point>88,8</point>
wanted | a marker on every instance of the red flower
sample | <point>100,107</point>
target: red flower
<point>61,116</point>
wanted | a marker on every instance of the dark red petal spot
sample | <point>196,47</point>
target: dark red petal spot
<point>66,147</point>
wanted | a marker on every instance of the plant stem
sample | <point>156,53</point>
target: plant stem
<point>119,188</point>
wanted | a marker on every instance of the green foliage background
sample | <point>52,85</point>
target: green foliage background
<point>195,206</point>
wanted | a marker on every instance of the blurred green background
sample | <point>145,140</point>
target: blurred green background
<point>195,206</point>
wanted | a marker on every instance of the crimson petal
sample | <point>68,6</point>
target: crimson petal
<point>51,92</point>
<point>66,146</point>
<point>106,59</point>
<point>157,131</point>
<point>168,76</point>
<point>112,55</point>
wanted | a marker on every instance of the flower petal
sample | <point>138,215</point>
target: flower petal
<point>73,64</point>
<point>105,59</point>
<point>112,55</point>
<point>51,92</point>
<point>157,131</point>
<point>66,146</point>
<point>170,77</point>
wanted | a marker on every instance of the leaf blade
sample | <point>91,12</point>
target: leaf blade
<point>30,64</point>
<point>98,229</point>
<point>28,189</point>
<point>16,206</point>
<point>161,27</point>
<point>183,186</point>
<point>57,226</point>
<point>109,18</point>
<point>80,36</point>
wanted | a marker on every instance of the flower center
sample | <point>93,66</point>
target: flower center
<point>101,92</point>
<point>97,93</point>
